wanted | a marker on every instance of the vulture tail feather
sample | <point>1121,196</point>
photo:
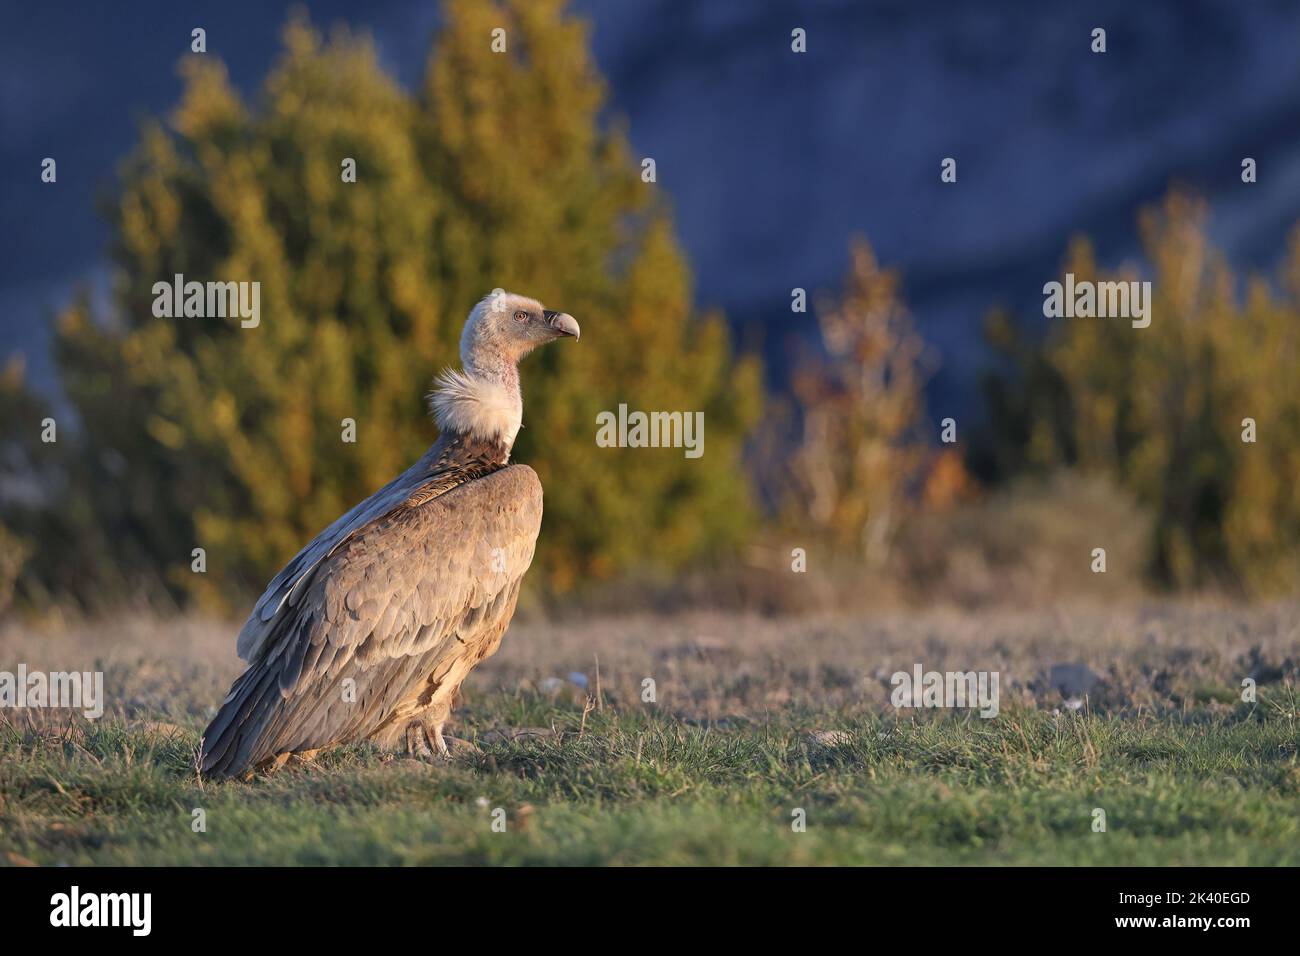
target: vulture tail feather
<point>239,724</point>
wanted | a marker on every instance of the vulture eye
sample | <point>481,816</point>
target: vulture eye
<point>521,316</point>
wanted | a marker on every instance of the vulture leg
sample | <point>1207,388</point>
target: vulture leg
<point>424,741</point>
<point>441,744</point>
<point>434,720</point>
<point>417,741</point>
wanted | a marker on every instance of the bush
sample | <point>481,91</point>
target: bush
<point>14,553</point>
<point>1030,542</point>
<point>1162,411</point>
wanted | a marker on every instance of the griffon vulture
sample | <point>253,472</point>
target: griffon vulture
<point>369,631</point>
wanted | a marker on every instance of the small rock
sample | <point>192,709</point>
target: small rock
<point>1261,670</point>
<point>1072,680</point>
<point>830,738</point>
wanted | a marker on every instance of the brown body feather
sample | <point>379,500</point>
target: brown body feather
<point>370,630</point>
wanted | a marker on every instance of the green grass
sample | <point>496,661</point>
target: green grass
<point>639,786</point>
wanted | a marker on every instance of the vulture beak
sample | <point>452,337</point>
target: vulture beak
<point>562,323</point>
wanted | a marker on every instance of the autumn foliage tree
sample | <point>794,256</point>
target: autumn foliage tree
<point>858,460</point>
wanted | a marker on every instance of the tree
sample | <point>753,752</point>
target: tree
<point>198,432</point>
<point>1161,410</point>
<point>540,198</point>
<point>858,460</point>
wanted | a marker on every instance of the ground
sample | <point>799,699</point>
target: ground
<point>757,724</point>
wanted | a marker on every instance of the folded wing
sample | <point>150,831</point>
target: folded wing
<point>386,604</point>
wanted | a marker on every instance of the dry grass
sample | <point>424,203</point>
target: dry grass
<point>1155,656</point>
<point>709,772</point>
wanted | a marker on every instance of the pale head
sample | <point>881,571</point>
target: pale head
<point>484,400</point>
<point>505,327</point>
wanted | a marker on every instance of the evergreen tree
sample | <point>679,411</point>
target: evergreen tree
<point>540,198</point>
<point>197,432</point>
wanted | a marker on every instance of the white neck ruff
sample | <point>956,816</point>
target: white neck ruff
<point>469,405</point>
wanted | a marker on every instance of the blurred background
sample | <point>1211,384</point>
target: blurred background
<point>775,171</point>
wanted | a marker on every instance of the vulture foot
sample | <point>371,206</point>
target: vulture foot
<point>425,742</point>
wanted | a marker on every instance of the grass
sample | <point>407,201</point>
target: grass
<point>713,773</point>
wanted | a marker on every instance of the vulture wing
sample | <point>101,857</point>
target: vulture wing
<point>423,580</point>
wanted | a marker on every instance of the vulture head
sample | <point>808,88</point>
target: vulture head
<point>505,327</point>
<point>484,400</point>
